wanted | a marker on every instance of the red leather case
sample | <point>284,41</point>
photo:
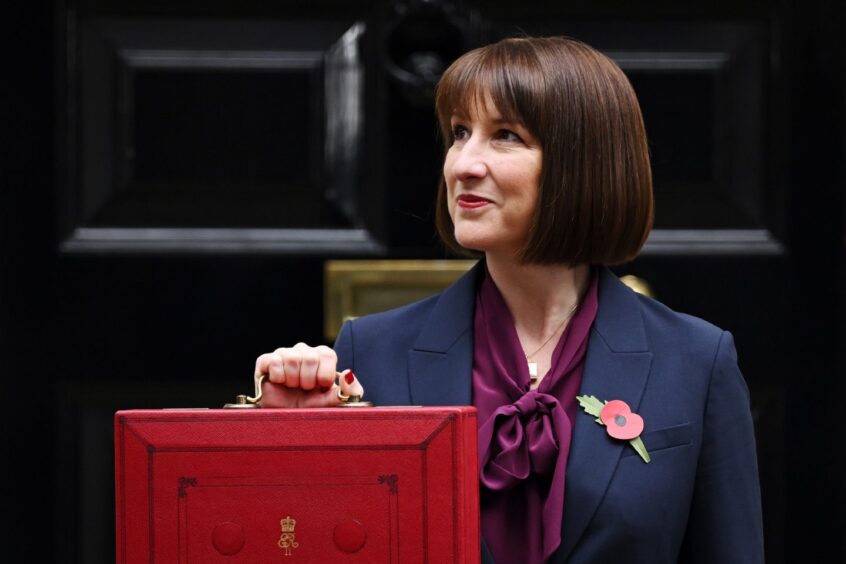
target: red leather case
<point>358,485</point>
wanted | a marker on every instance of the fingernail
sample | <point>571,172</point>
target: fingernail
<point>350,377</point>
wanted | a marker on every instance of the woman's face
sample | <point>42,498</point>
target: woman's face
<point>492,172</point>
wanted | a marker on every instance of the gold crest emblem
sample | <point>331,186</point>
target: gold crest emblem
<point>288,540</point>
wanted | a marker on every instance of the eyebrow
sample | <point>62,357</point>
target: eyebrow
<point>497,121</point>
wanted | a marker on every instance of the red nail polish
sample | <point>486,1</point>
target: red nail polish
<point>350,377</point>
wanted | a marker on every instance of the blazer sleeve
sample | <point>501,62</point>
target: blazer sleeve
<point>343,347</point>
<point>725,523</point>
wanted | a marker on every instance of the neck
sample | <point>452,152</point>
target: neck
<point>539,297</point>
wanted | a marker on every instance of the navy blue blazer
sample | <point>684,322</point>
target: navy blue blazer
<point>697,501</point>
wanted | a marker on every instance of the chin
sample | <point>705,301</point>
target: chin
<point>487,245</point>
<point>470,241</point>
<point>473,243</point>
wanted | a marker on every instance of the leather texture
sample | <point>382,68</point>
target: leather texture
<point>698,501</point>
<point>351,485</point>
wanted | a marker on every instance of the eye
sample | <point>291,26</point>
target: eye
<point>508,135</point>
<point>459,133</point>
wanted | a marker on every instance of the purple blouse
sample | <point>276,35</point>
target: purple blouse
<point>524,435</point>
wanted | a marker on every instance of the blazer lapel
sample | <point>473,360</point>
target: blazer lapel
<point>616,367</point>
<point>440,362</point>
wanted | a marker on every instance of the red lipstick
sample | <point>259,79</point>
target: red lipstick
<point>472,201</point>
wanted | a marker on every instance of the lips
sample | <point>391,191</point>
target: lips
<point>472,201</point>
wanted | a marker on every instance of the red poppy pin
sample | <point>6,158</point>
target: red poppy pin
<point>619,420</point>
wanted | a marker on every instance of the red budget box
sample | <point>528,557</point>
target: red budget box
<point>358,485</point>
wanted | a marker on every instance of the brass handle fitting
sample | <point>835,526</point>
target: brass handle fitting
<point>246,402</point>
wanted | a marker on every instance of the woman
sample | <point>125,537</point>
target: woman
<point>547,178</point>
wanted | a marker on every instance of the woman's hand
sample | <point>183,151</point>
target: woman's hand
<point>304,376</point>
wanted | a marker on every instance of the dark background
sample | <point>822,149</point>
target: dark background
<point>211,121</point>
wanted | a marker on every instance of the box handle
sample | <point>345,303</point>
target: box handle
<point>243,401</point>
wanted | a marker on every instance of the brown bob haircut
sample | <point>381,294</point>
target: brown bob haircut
<point>595,194</point>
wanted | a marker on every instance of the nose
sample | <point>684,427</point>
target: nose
<point>467,161</point>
